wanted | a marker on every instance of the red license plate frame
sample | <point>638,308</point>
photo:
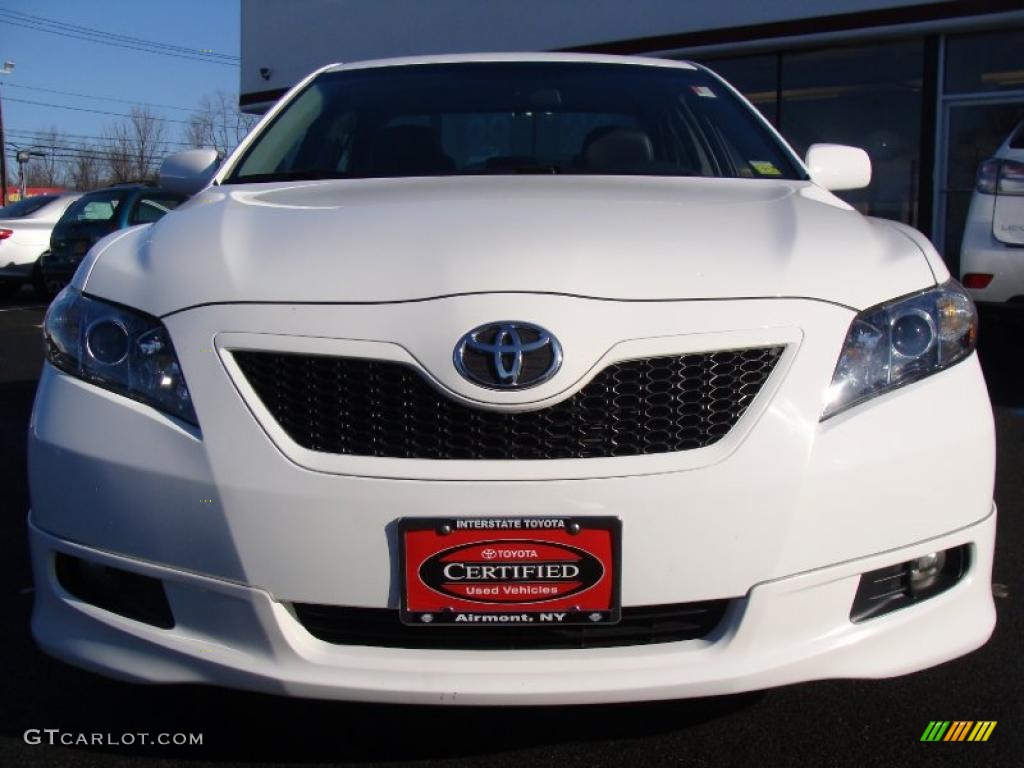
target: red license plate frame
<point>505,571</point>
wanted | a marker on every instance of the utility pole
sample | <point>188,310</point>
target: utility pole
<point>6,69</point>
<point>3,156</point>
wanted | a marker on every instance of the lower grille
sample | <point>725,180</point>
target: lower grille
<point>380,408</point>
<point>380,627</point>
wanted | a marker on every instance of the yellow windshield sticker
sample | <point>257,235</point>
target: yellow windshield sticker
<point>765,168</point>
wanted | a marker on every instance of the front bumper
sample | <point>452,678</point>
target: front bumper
<point>783,631</point>
<point>781,516</point>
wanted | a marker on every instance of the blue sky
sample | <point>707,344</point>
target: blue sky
<point>48,61</point>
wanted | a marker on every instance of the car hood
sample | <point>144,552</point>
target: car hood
<point>626,238</point>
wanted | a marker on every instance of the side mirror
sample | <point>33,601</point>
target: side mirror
<point>188,172</point>
<point>837,166</point>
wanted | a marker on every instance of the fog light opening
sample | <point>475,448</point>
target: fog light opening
<point>897,586</point>
<point>127,594</point>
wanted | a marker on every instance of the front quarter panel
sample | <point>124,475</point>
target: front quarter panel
<point>928,251</point>
<point>132,240</point>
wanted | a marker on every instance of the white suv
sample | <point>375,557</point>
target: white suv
<point>992,255</point>
<point>512,379</point>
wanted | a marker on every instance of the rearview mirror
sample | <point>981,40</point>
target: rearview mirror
<point>188,172</point>
<point>837,166</point>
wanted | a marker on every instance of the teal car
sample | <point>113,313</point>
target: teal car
<point>92,217</point>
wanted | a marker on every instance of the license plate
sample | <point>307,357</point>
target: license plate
<point>487,572</point>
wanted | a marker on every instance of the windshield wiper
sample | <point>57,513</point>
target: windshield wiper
<point>306,174</point>
<point>313,174</point>
<point>541,169</point>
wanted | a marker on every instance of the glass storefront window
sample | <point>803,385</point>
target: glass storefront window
<point>983,84</point>
<point>975,131</point>
<point>868,96</point>
<point>756,77</point>
<point>992,61</point>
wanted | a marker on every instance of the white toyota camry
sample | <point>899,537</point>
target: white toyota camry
<point>512,379</point>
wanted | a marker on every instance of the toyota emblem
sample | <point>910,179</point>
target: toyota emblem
<point>508,355</point>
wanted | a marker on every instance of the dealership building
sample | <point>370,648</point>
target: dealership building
<point>929,89</point>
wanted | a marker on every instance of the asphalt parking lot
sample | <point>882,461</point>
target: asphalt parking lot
<point>830,723</point>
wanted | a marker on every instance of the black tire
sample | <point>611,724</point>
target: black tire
<point>39,283</point>
<point>9,288</point>
<point>54,285</point>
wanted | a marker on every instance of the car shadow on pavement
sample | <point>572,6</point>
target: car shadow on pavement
<point>253,728</point>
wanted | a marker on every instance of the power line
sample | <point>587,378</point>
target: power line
<point>118,45</point>
<point>132,160</point>
<point>101,98</point>
<point>101,144</point>
<point>63,133</point>
<point>59,150</point>
<point>45,134</point>
<point>63,146</point>
<point>56,151</point>
<point>106,112</point>
<point>113,36</point>
<point>100,35</point>
<point>101,151</point>
<point>75,159</point>
<point>86,109</point>
<point>38,28</point>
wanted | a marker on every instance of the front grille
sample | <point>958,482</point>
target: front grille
<point>380,627</point>
<point>360,407</point>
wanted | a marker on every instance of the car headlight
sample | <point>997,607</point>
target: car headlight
<point>901,341</point>
<point>116,348</point>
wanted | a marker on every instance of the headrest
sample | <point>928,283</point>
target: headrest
<point>409,148</point>
<point>619,149</point>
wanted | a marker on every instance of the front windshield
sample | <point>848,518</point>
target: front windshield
<point>514,117</point>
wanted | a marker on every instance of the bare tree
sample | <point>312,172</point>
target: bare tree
<point>117,154</point>
<point>218,123</point>
<point>199,131</point>
<point>44,169</point>
<point>134,146</point>
<point>83,169</point>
